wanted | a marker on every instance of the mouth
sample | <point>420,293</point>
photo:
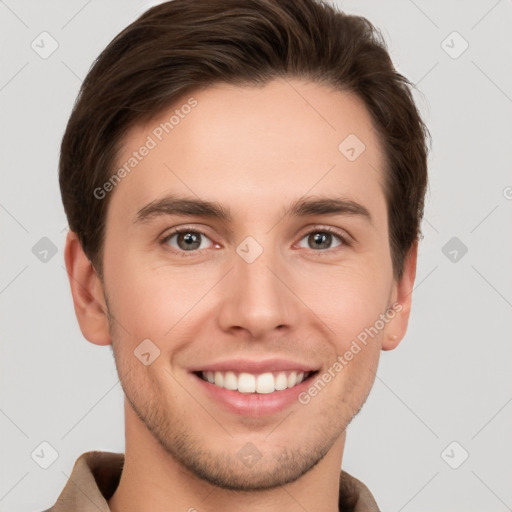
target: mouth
<point>254,388</point>
<point>250,383</point>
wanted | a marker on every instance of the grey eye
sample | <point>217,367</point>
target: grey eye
<point>188,240</point>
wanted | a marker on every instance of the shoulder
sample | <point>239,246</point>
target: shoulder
<point>95,476</point>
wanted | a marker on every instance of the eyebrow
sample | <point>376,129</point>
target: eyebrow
<point>183,206</point>
<point>174,205</point>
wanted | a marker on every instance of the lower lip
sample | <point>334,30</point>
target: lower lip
<point>253,404</point>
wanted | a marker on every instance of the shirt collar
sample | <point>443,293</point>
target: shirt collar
<point>96,475</point>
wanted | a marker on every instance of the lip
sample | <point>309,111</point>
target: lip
<point>255,367</point>
<point>254,405</point>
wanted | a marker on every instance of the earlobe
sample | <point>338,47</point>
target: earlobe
<point>87,292</point>
<point>401,305</point>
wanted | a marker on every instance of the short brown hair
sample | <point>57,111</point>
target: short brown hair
<point>182,45</point>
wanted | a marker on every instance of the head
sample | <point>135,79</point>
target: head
<point>281,141</point>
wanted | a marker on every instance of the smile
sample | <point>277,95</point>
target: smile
<point>263,383</point>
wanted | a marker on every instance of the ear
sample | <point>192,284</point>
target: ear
<point>87,291</point>
<point>402,298</point>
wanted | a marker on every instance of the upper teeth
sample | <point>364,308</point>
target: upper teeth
<point>249,383</point>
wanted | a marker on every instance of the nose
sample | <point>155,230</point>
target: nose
<point>258,299</point>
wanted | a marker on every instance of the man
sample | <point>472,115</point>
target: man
<point>244,184</point>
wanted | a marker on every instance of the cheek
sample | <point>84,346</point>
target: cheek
<point>349,300</point>
<point>155,302</point>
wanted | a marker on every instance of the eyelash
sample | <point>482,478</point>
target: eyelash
<point>343,239</point>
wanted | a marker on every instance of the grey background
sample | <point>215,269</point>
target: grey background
<point>448,381</point>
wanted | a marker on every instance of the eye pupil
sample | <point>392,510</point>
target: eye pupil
<point>321,240</point>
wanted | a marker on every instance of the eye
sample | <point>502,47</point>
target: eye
<point>322,239</point>
<point>187,240</point>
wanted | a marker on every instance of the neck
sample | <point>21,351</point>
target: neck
<point>153,481</point>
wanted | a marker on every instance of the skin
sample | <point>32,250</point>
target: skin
<point>253,150</point>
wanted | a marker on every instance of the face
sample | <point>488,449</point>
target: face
<point>249,249</point>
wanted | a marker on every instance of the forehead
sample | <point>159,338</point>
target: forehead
<point>254,147</point>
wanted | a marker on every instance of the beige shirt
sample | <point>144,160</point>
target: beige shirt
<point>96,475</point>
